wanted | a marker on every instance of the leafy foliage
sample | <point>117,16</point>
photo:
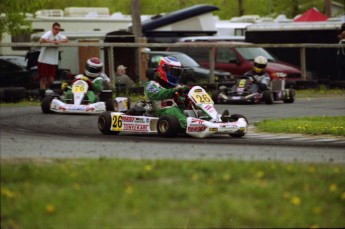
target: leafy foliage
<point>13,14</point>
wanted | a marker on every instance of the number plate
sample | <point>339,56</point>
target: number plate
<point>242,83</point>
<point>202,98</point>
<point>116,122</point>
<point>79,87</point>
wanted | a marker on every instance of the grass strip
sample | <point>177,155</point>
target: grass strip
<point>318,125</point>
<point>119,193</point>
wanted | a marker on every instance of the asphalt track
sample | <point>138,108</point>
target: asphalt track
<point>28,133</point>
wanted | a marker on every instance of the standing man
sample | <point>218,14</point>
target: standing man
<point>49,57</point>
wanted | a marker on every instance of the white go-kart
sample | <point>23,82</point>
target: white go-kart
<point>203,119</point>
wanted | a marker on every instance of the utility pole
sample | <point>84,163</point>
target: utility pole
<point>328,8</point>
<point>137,31</point>
<point>136,19</point>
<point>240,7</point>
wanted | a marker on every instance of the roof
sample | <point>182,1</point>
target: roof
<point>311,15</point>
<point>177,16</point>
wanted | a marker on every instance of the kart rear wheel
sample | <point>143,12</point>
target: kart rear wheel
<point>45,104</point>
<point>168,126</point>
<point>289,96</point>
<point>104,123</point>
<point>268,97</point>
<point>234,118</point>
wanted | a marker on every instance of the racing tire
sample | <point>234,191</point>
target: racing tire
<point>168,126</point>
<point>290,96</point>
<point>104,124</point>
<point>45,104</point>
<point>215,97</point>
<point>234,118</point>
<point>268,97</point>
<point>12,94</point>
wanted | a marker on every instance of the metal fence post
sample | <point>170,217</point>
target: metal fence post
<point>211,59</point>
<point>110,52</point>
<point>303,63</point>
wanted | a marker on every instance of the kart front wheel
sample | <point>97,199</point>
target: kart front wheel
<point>104,123</point>
<point>268,97</point>
<point>45,104</point>
<point>234,118</point>
<point>215,97</point>
<point>168,126</point>
<point>289,96</point>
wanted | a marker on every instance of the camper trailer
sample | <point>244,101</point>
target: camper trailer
<point>85,20</point>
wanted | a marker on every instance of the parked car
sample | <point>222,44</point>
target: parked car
<point>15,78</point>
<point>19,78</point>
<point>193,72</point>
<point>238,60</point>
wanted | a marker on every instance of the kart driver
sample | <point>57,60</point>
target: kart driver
<point>258,75</point>
<point>93,76</point>
<point>162,90</point>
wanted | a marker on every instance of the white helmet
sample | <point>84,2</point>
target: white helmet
<point>260,63</point>
<point>94,67</point>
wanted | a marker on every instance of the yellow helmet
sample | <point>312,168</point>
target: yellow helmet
<point>260,63</point>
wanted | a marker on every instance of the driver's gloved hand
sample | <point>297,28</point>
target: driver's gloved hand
<point>85,78</point>
<point>64,86</point>
<point>184,88</point>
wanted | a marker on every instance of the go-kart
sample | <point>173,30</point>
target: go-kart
<point>246,91</point>
<point>75,100</point>
<point>203,119</point>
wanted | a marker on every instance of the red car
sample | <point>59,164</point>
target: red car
<point>238,60</point>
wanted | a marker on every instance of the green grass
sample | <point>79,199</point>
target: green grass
<point>119,193</point>
<point>321,92</point>
<point>324,125</point>
<point>115,193</point>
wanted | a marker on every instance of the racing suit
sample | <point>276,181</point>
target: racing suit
<point>163,101</point>
<point>261,81</point>
<point>95,87</point>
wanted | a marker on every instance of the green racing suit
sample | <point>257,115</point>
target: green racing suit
<point>95,88</point>
<point>163,101</point>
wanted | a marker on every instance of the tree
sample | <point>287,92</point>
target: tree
<point>13,14</point>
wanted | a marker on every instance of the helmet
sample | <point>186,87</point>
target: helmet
<point>94,67</point>
<point>260,63</point>
<point>169,71</point>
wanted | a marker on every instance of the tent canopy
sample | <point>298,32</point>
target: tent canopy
<point>311,15</point>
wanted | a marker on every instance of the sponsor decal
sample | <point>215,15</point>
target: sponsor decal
<point>75,107</point>
<point>197,121</point>
<point>90,109</point>
<point>213,129</point>
<point>152,88</point>
<point>132,127</point>
<point>196,128</point>
<point>140,120</point>
<point>128,119</point>
<point>208,107</point>
<point>61,108</point>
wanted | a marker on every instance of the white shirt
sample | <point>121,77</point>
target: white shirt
<point>50,55</point>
